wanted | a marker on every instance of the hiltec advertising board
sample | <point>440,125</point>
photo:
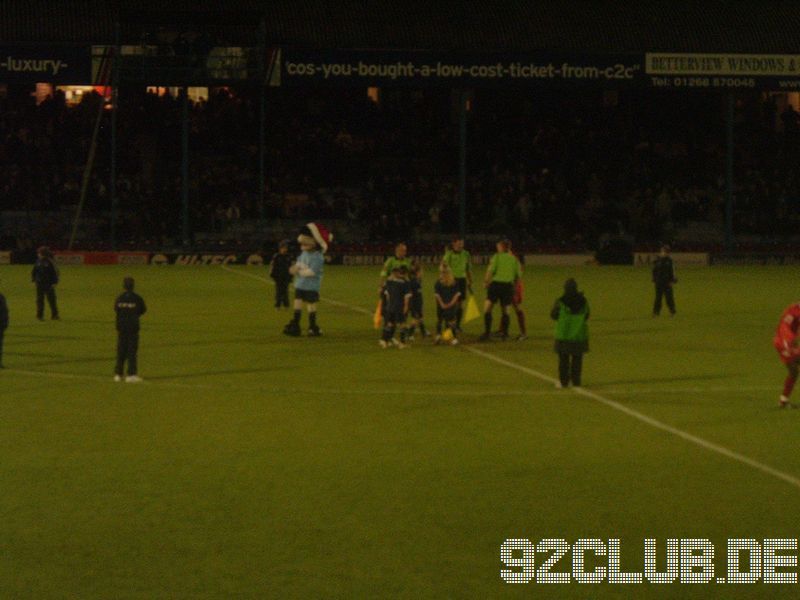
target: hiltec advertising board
<point>66,257</point>
<point>206,259</point>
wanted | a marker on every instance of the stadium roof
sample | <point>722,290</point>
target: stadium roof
<point>479,25</point>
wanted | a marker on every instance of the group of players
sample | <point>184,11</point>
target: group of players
<point>401,298</point>
<point>400,305</point>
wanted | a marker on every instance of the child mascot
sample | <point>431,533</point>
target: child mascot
<point>307,271</point>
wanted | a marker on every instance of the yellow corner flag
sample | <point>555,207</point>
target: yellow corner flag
<point>471,313</point>
<point>376,318</point>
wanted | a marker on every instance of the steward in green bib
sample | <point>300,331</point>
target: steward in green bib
<point>458,261</point>
<point>501,276</point>
<point>571,311</point>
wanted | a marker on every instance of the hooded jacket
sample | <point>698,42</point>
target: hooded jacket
<point>571,311</point>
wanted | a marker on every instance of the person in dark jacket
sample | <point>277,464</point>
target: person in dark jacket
<point>3,324</point>
<point>45,276</point>
<point>279,272</point>
<point>129,307</point>
<point>664,279</point>
<point>571,311</point>
<point>396,302</point>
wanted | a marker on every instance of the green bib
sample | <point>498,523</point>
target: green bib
<point>572,327</point>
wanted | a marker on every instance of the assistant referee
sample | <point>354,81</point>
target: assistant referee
<point>501,276</point>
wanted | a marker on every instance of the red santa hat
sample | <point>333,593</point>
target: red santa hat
<point>319,233</point>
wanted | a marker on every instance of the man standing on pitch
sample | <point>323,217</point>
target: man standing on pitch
<point>457,260</point>
<point>45,276</point>
<point>279,272</point>
<point>664,278</point>
<point>501,276</point>
<point>129,307</point>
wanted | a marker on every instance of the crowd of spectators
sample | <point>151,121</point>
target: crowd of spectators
<point>548,167</point>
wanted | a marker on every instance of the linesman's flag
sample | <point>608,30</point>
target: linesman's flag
<point>376,318</point>
<point>471,313</point>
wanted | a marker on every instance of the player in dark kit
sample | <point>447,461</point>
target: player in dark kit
<point>664,278</point>
<point>398,260</point>
<point>45,276</point>
<point>458,261</point>
<point>3,324</point>
<point>415,306</point>
<point>279,272</point>
<point>129,306</point>
<point>448,295</point>
<point>396,299</point>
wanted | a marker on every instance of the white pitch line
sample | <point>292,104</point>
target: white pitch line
<point>698,441</point>
<point>358,309</point>
<point>250,275</point>
<point>741,458</point>
<point>276,390</point>
<point>746,460</point>
<point>690,390</point>
<point>423,393</point>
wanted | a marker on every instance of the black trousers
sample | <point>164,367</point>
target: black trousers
<point>570,367</point>
<point>665,291</point>
<point>127,350</point>
<point>49,292</point>
<point>281,293</point>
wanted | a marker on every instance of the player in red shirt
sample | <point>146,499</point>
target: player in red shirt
<point>785,342</point>
<point>516,302</point>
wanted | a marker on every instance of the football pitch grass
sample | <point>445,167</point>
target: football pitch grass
<point>250,464</point>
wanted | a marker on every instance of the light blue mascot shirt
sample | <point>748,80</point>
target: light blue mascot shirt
<point>314,261</point>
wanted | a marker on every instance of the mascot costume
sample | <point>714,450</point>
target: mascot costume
<point>307,271</point>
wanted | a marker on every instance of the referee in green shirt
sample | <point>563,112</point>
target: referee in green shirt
<point>501,276</point>
<point>398,261</point>
<point>458,261</point>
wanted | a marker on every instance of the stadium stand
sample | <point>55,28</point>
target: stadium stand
<point>560,168</point>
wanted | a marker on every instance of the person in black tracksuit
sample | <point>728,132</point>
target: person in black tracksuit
<point>45,276</point>
<point>129,306</point>
<point>664,279</point>
<point>3,324</point>
<point>279,271</point>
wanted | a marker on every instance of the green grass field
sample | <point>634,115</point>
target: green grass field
<point>253,465</point>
